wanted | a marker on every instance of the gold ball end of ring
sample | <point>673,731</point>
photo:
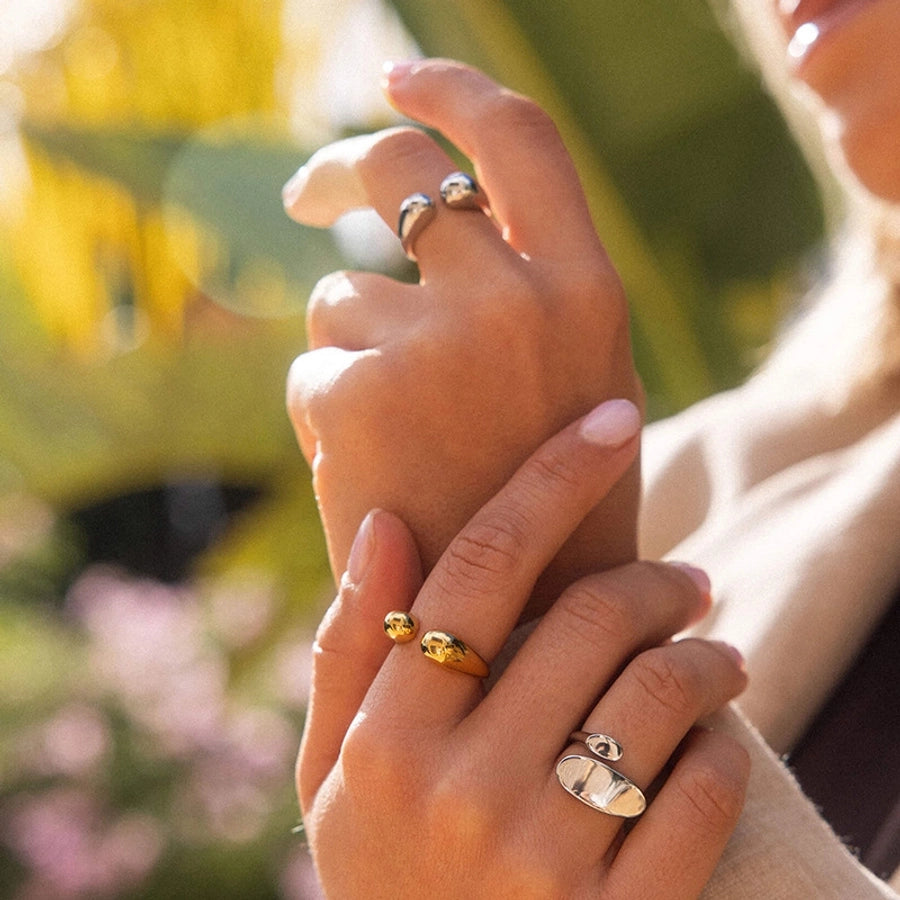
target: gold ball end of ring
<point>416,211</point>
<point>448,650</point>
<point>602,788</point>
<point>400,626</point>
<point>461,191</point>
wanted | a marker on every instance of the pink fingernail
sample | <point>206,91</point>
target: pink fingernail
<point>362,549</point>
<point>611,424</point>
<point>294,188</point>
<point>393,71</point>
<point>698,576</point>
<point>734,653</point>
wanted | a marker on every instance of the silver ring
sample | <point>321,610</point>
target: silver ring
<point>600,787</point>
<point>416,211</point>
<point>601,745</point>
<point>461,191</point>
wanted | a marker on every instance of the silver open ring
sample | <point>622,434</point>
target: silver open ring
<point>416,211</point>
<point>600,786</point>
<point>461,191</point>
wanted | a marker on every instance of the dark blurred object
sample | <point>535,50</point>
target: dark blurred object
<point>160,531</point>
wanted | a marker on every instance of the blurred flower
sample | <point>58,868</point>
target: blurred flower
<point>73,742</point>
<point>72,852</point>
<point>149,649</point>
<point>298,878</point>
<point>242,609</point>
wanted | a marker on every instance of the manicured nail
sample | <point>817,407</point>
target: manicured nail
<point>394,71</point>
<point>611,424</point>
<point>362,549</point>
<point>291,192</point>
<point>698,576</point>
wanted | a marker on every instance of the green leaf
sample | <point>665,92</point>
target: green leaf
<point>680,153</point>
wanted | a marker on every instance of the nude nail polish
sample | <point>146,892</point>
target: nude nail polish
<point>611,424</point>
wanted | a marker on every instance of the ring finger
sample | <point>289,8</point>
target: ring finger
<point>648,710</point>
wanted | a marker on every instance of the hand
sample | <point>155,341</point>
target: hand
<point>413,781</point>
<point>423,399</point>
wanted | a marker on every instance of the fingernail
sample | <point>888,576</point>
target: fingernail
<point>698,576</point>
<point>734,653</point>
<point>291,192</point>
<point>393,71</point>
<point>611,424</point>
<point>362,549</point>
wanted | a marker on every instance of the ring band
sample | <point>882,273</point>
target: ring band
<point>601,745</point>
<point>416,211</point>
<point>461,191</point>
<point>600,787</point>
<point>400,626</point>
<point>448,650</point>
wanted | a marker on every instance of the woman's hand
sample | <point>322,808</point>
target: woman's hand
<point>423,399</point>
<point>414,782</point>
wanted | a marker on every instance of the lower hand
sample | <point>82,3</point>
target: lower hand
<point>414,781</point>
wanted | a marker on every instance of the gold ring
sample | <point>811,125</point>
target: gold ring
<point>448,650</point>
<point>400,626</point>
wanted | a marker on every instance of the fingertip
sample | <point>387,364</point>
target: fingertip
<point>386,564</point>
<point>698,576</point>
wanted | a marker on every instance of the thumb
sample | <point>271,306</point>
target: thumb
<point>383,574</point>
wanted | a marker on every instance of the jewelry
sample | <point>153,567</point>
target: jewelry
<point>601,745</point>
<point>400,627</point>
<point>600,787</point>
<point>461,191</point>
<point>416,211</point>
<point>448,650</point>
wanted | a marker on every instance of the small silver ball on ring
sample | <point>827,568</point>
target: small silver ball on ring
<point>416,211</point>
<point>461,191</point>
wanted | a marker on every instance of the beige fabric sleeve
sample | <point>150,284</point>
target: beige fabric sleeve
<point>782,849</point>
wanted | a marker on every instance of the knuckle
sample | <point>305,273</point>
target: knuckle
<point>406,147</point>
<point>320,306</point>
<point>485,555</point>
<point>522,115</point>
<point>714,797</point>
<point>551,470</point>
<point>598,613</point>
<point>665,681</point>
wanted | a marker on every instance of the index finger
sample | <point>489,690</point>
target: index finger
<point>480,585</point>
<point>519,156</point>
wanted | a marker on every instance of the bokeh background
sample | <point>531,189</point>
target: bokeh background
<point>161,565</point>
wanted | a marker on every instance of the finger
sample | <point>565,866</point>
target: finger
<point>585,639</point>
<point>648,710</point>
<point>519,156</point>
<point>350,646</point>
<point>359,310</point>
<point>310,379</point>
<point>480,585</point>
<point>380,170</point>
<point>660,696</point>
<point>686,827</point>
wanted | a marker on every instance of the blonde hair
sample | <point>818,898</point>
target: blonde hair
<point>848,336</point>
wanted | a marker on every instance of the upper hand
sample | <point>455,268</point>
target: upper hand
<point>423,399</point>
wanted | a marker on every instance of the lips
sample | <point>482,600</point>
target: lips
<point>809,22</point>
